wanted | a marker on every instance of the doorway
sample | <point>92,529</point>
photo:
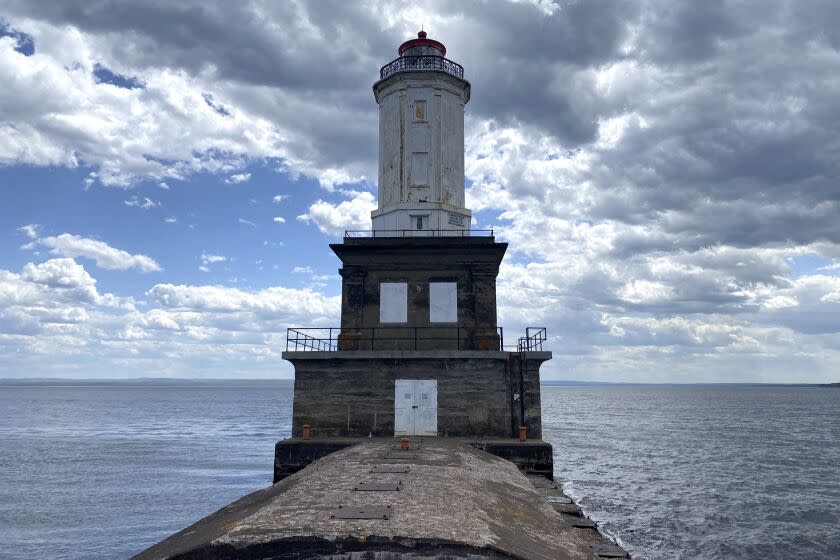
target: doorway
<point>415,407</point>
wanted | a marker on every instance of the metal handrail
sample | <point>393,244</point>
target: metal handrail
<point>532,342</point>
<point>419,233</point>
<point>328,339</point>
<point>308,342</point>
<point>419,63</point>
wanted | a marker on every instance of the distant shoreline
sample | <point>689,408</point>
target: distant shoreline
<point>141,382</point>
<point>170,382</point>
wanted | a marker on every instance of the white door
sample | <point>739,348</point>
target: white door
<point>404,407</point>
<point>415,407</point>
<point>425,423</point>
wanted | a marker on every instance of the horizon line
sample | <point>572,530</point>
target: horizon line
<point>546,382</point>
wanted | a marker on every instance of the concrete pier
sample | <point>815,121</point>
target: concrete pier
<point>447,499</point>
<point>532,457</point>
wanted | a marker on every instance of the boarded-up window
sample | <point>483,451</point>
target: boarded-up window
<point>393,302</point>
<point>419,168</point>
<point>443,302</point>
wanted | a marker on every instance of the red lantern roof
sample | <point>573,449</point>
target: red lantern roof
<point>422,41</point>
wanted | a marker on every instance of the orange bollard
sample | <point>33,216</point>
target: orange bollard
<point>306,433</point>
<point>522,433</point>
<point>404,444</point>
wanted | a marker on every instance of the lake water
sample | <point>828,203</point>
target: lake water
<point>671,472</point>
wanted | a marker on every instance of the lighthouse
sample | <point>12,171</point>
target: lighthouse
<point>418,351</point>
<point>421,97</point>
<point>418,354</point>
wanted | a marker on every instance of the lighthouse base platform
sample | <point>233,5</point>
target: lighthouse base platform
<point>531,457</point>
<point>444,499</point>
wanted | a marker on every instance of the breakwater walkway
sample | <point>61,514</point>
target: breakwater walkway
<point>442,498</point>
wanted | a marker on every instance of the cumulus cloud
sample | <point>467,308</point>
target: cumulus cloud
<point>29,230</point>
<point>53,309</point>
<point>105,256</point>
<point>207,258</point>
<point>280,219</point>
<point>143,203</point>
<point>169,115</point>
<point>272,301</point>
<point>655,167</point>
<point>238,178</point>
<point>55,299</point>
<point>334,219</point>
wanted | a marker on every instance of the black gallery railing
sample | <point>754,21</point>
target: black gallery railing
<point>418,233</point>
<point>387,338</point>
<point>326,339</point>
<point>421,62</point>
<point>533,340</point>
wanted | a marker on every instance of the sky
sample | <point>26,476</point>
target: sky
<point>665,173</point>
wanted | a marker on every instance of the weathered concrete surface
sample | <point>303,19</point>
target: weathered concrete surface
<point>530,457</point>
<point>471,262</point>
<point>480,393</point>
<point>456,501</point>
<point>293,454</point>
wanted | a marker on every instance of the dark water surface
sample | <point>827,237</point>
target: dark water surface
<point>703,472</point>
<point>672,472</point>
<point>106,471</point>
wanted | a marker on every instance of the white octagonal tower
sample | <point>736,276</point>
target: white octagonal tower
<point>421,97</point>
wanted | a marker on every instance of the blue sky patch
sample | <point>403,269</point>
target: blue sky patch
<point>25,43</point>
<point>104,75</point>
<point>811,263</point>
<point>215,106</point>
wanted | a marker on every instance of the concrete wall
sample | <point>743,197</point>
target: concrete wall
<point>436,216</point>
<point>352,393</point>
<point>470,262</point>
<point>525,376</point>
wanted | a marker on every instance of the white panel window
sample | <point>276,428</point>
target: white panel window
<point>419,110</point>
<point>443,302</point>
<point>393,302</point>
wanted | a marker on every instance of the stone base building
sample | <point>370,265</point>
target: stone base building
<point>419,350</point>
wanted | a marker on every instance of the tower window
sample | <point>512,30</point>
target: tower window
<point>419,222</point>
<point>393,302</point>
<point>419,110</point>
<point>443,302</point>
